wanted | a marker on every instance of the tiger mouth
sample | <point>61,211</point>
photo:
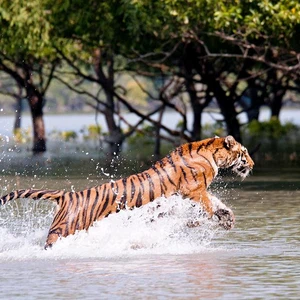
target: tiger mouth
<point>242,171</point>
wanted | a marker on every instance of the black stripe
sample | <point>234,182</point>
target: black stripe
<point>10,197</point>
<point>190,146</point>
<point>184,174</point>
<point>214,155</point>
<point>205,181</point>
<point>85,205</point>
<point>43,193</point>
<point>28,193</point>
<point>216,150</point>
<point>39,194</point>
<point>202,145</point>
<point>193,172</point>
<point>61,212</point>
<point>170,161</point>
<point>77,202</point>
<point>208,163</point>
<point>106,201</point>
<point>57,231</point>
<point>167,174</point>
<point>163,186</point>
<point>180,152</point>
<point>151,186</point>
<point>96,200</point>
<point>67,211</point>
<point>139,200</point>
<point>115,190</point>
<point>123,200</point>
<point>132,188</point>
<point>71,203</point>
<point>97,215</point>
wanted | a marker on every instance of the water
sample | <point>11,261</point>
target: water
<point>75,122</point>
<point>126,256</point>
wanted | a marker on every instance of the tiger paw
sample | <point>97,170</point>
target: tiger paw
<point>225,218</point>
<point>194,223</point>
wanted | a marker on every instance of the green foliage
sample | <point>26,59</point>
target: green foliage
<point>271,130</point>
<point>215,129</point>
<point>179,125</point>
<point>35,31</point>
<point>25,29</point>
<point>22,136</point>
<point>69,135</point>
<point>38,27</point>
<point>145,136</point>
<point>91,132</point>
<point>94,132</point>
<point>271,16</point>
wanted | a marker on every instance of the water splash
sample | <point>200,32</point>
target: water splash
<point>128,233</point>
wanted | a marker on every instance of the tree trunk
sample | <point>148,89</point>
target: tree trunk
<point>197,107</point>
<point>17,123</point>
<point>115,137</point>
<point>276,104</point>
<point>208,77</point>
<point>225,103</point>
<point>36,104</point>
<point>157,145</point>
<point>197,117</point>
<point>188,65</point>
<point>230,116</point>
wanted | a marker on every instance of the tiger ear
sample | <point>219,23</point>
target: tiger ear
<point>229,142</point>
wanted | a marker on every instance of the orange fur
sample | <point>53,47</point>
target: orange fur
<point>187,171</point>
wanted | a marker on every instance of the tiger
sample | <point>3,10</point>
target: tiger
<point>186,171</point>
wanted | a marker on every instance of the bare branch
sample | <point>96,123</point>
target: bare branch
<point>81,92</point>
<point>145,57</point>
<point>290,64</point>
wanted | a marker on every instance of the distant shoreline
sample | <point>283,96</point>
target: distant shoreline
<point>76,122</point>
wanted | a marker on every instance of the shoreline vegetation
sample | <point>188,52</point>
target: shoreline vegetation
<point>274,145</point>
<point>148,59</point>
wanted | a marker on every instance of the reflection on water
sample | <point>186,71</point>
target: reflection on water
<point>258,259</point>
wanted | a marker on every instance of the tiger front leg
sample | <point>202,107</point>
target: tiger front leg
<point>222,214</point>
<point>203,198</point>
<point>215,209</point>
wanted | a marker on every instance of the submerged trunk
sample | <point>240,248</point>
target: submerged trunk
<point>230,117</point>
<point>157,144</point>
<point>208,77</point>
<point>197,108</point>
<point>115,137</point>
<point>276,104</point>
<point>188,65</point>
<point>17,123</point>
<point>39,138</point>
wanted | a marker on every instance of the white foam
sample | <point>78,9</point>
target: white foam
<point>128,233</point>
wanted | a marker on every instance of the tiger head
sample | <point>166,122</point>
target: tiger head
<point>231,154</point>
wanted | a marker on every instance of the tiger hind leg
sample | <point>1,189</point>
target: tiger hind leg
<point>51,239</point>
<point>69,218</point>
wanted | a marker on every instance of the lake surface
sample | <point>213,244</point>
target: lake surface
<point>76,122</point>
<point>127,257</point>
